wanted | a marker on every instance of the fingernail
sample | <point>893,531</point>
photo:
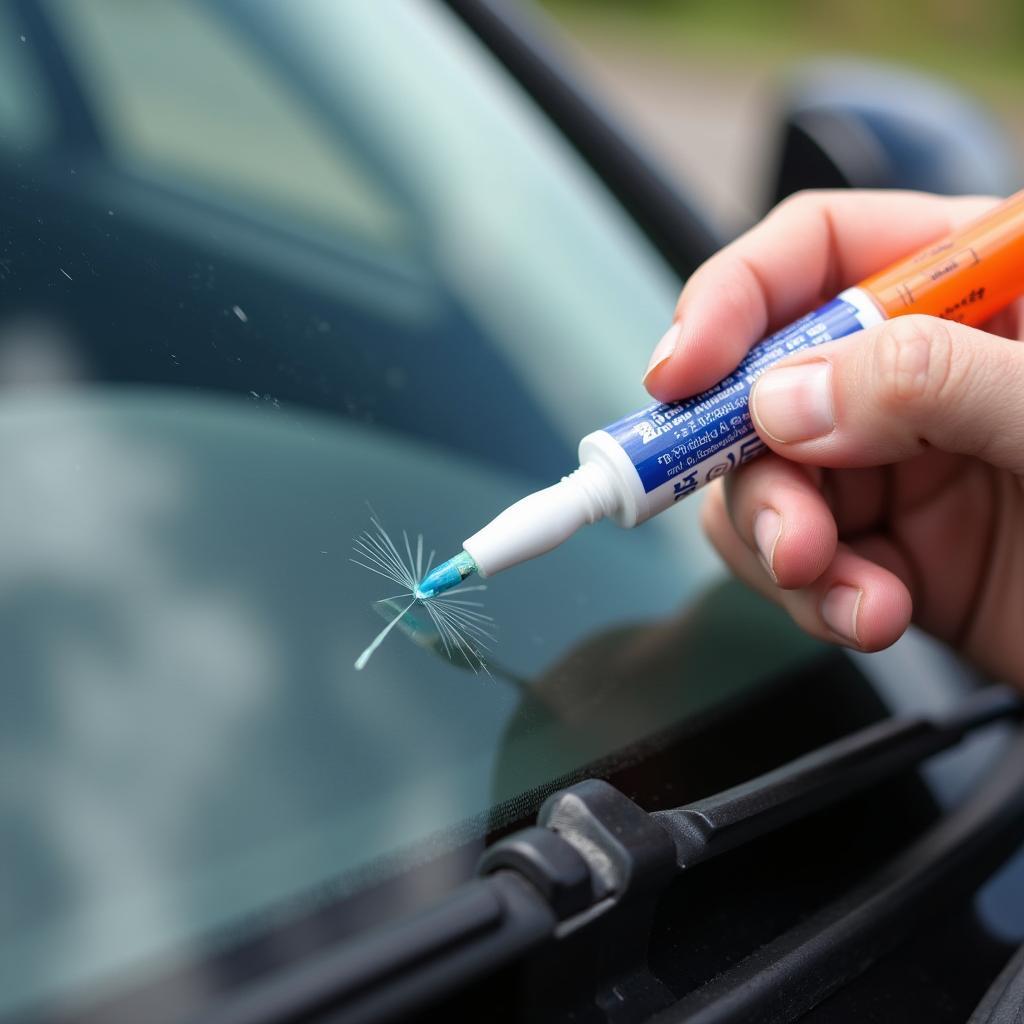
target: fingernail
<point>839,610</point>
<point>767,529</point>
<point>794,403</point>
<point>664,349</point>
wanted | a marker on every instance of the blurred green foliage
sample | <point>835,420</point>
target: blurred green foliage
<point>977,41</point>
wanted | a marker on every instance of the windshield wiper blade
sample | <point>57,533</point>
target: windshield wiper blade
<point>597,855</point>
<point>711,826</point>
<point>479,927</point>
<point>1003,1003</point>
<point>785,978</point>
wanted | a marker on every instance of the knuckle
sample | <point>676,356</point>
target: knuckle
<point>802,199</point>
<point>915,361</point>
<point>798,202</point>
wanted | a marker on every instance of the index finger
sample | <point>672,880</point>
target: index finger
<point>802,254</point>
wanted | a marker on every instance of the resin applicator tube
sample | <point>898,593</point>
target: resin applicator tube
<point>646,462</point>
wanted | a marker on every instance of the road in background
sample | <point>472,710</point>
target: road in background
<point>710,125</point>
<point>708,117</point>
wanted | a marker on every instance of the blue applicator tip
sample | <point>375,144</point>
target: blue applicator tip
<point>447,575</point>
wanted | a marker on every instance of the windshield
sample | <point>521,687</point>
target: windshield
<point>262,267</point>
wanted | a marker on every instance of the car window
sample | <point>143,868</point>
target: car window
<point>224,118</point>
<point>311,259</point>
<point>25,118</point>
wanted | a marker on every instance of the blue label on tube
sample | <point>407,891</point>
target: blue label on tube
<point>689,443</point>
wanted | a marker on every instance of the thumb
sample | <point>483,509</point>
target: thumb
<point>886,393</point>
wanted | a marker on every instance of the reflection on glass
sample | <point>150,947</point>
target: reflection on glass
<point>232,123</point>
<point>279,261</point>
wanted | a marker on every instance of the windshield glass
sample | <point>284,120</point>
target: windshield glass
<point>262,267</point>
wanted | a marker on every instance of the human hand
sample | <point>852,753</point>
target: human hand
<point>895,486</point>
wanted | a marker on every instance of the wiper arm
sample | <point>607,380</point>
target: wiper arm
<point>708,827</point>
<point>783,979</point>
<point>598,857</point>
<point>1003,1003</point>
<point>480,927</point>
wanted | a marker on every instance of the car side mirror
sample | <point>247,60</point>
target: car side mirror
<point>853,124</point>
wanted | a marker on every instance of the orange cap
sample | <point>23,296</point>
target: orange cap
<point>968,276</point>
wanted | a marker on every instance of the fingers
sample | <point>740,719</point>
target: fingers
<point>886,394</point>
<point>855,601</point>
<point>779,512</point>
<point>807,250</point>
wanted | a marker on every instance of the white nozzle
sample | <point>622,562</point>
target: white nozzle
<point>542,520</point>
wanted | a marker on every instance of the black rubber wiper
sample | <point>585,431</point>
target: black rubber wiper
<point>482,926</point>
<point>708,827</point>
<point>1003,1003</point>
<point>794,972</point>
<point>594,860</point>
